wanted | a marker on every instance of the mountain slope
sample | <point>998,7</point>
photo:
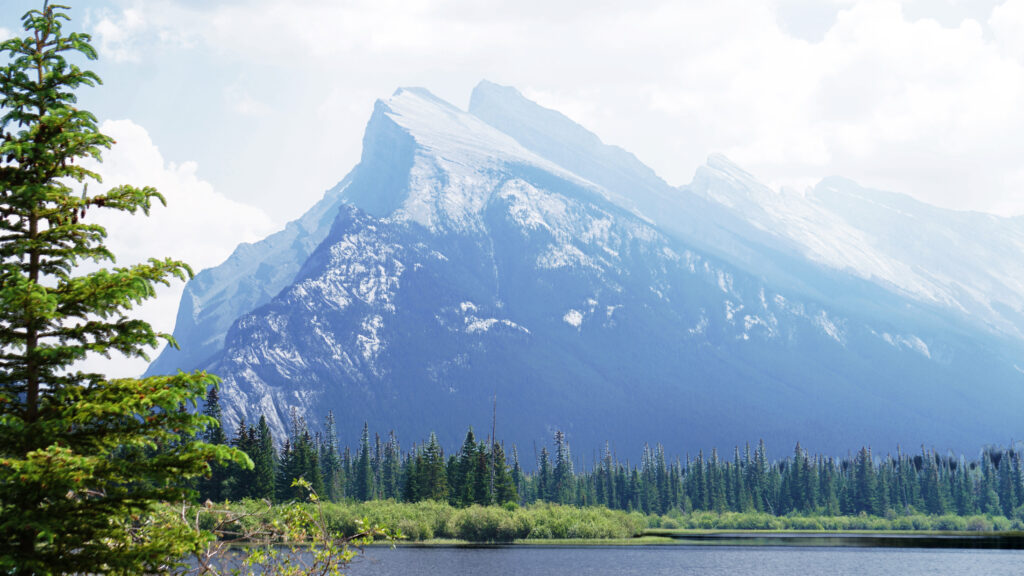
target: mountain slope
<point>469,262</point>
<point>967,263</point>
<point>250,277</point>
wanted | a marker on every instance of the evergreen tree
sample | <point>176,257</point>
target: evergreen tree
<point>411,476</point>
<point>1007,488</point>
<point>988,493</point>
<point>517,476</point>
<point>563,476</point>
<point>505,490</point>
<point>377,463</point>
<point>545,484</point>
<point>215,485</point>
<point>930,488</point>
<point>481,487</point>
<point>608,496</point>
<point>391,468</point>
<point>363,482</point>
<point>264,462</point>
<point>864,482</point>
<point>287,472</point>
<point>240,481</point>
<point>307,464</point>
<point>330,460</point>
<point>81,454</point>
<point>434,479</point>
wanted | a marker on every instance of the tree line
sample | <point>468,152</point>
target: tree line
<point>483,472</point>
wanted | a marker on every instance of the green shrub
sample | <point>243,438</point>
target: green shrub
<point>979,524</point>
<point>949,522</point>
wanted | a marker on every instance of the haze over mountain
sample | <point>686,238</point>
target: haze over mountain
<point>506,251</point>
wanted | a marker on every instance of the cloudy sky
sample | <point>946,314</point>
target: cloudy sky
<point>244,111</point>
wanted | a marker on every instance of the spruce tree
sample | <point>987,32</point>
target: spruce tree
<point>481,486</point>
<point>563,476</point>
<point>545,484</point>
<point>242,481</point>
<point>214,485</point>
<point>391,468</point>
<point>286,473</point>
<point>433,476</point>
<point>264,462</point>
<point>517,476</point>
<point>84,459</point>
<point>330,459</point>
<point>463,478</point>
<point>364,468</point>
<point>504,480</point>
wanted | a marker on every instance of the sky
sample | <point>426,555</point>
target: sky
<point>243,112</point>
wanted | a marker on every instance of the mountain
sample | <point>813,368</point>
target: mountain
<point>967,262</point>
<point>506,253</point>
<point>249,278</point>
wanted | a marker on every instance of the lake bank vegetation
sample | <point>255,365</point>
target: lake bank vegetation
<point>431,521</point>
<point>484,487</point>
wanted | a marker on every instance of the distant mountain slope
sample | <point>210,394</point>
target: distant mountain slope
<point>469,261</point>
<point>969,263</point>
<point>250,277</point>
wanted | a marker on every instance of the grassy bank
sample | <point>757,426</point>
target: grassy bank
<point>862,522</point>
<point>433,522</point>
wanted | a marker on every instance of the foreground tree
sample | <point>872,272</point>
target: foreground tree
<point>83,459</point>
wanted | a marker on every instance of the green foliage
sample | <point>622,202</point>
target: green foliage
<point>431,519</point>
<point>291,540</point>
<point>704,520</point>
<point>83,459</point>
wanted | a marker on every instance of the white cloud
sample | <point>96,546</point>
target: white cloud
<point>198,225</point>
<point>5,34</point>
<point>1007,22</point>
<point>910,96</point>
<point>242,102</point>
<point>119,35</point>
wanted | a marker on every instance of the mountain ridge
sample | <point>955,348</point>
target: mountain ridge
<point>463,263</point>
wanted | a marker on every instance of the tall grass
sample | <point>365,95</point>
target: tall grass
<point>429,520</point>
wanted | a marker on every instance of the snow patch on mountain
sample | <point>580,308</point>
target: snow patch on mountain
<point>967,262</point>
<point>459,161</point>
<point>907,342</point>
<point>573,318</point>
<point>830,326</point>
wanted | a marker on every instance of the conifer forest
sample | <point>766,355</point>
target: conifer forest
<point>749,479</point>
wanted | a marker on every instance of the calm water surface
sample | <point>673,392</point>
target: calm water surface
<point>685,560</point>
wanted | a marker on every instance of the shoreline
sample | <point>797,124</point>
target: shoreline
<point>759,538</point>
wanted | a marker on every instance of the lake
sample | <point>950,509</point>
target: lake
<point>684,560</point>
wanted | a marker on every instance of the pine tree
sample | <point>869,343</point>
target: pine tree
<point>505,486</point>
<point>518,478</point>
<point>545,484</point>
<point>463,474</point>
<point>264,462</point>
<point>81,454</point>
<point>286,473</point>
<point>563,476</point>
<point>307,464</point>
<point>434,478</point>
<point>363,485</point>
<point>864,482</point>
<point>330,460</point>
<point>608,496</point>
<point>481,488</point>
<point>411,465</point>
<point>1007,489</point>
<point>214,485</point>
<point>240,481</point>
<point>391,468</point>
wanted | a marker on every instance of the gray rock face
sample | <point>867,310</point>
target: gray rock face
<point>507,252</point>
<point>250,277</point>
